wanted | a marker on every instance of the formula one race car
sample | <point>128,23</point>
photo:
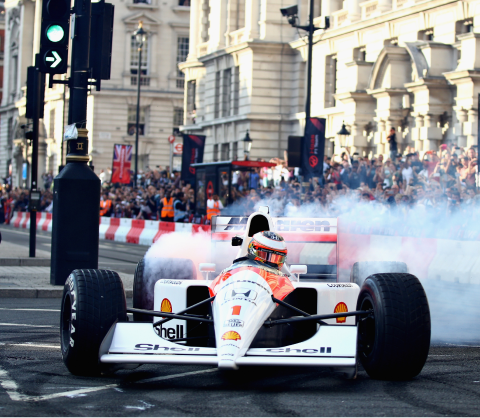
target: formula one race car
<point>259,310</point>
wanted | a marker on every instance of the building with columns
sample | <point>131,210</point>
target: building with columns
<point>408,64</point>
<point>111,111</point>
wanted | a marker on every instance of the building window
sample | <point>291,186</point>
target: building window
<point>236,90</point>
<point>142,1</point>
<point>182,53</point>
<point>217,95</point>
<point>184,2</point>
<point>144,79</point>
<point>215,152</point>
<point>330,80</point>
<point>191,93</point>
<point>177,117</point>
<point>10,132</point>
<point>235,151</point>
<point>425,35</point>
<point>226,92</point>
<point>225,152</point>
<point>51,131</point>
<point>132,115</point>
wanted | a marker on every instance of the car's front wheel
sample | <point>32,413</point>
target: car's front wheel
<point>393,342</point>
<point>93,300</point>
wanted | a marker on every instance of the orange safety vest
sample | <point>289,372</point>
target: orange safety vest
<point>167,208</point>
<point>215,211</point>
<point>105,206</point>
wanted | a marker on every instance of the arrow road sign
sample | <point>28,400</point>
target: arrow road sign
<point>55,59</point>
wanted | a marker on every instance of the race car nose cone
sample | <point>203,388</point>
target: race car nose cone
<point>227,365</point>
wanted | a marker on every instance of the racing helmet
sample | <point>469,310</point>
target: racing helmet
<point>269,248</point>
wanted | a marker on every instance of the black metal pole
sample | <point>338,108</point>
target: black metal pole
<point>76,197</point>
<point>138,112</point>
<point>34,166</point>
<point>311,29</point>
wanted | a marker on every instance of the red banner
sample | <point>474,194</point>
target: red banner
<point>122,161</point>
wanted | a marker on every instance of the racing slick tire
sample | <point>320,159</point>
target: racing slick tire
<point>161,268</point>
<point>362,269</point>
<point>93,300</point>
<point>393,343</point>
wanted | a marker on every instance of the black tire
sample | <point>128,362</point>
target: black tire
<point>393,343</point>
<point>159,268</point>
<point>362,269</point>
<point>93,300</point>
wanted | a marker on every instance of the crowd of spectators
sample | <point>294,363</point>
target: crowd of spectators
<point>440,182</point>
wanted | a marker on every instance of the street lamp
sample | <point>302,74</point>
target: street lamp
<point>343,133</point>
<point>247,146</point>
<point>140,37</point>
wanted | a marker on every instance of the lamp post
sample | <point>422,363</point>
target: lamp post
<point>140,37</point>
<point>343,133</point>
<point>247,143</point>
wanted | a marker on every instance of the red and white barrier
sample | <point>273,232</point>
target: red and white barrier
<point>134,231</point>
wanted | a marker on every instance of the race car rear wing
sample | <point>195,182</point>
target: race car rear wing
<point>292,229</point>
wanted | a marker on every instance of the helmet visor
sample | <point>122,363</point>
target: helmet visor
<point>271,257</point>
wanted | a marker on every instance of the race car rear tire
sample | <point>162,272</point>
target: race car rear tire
<point>393,343</point>
<point>93,300</point>
<point>161,268</point>
<point>362,269</point>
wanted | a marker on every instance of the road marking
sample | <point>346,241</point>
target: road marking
<point>27,309</point>
<point>12,388</point>
<point>463,345</point>
<point>27,325</point>
<point>57,347</point>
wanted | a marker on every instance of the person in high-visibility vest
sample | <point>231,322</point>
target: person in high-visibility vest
<point>213,207</point>
<point>166,208</point>
<point>105,205</point>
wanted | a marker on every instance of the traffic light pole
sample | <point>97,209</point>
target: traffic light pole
<point>76,201</point>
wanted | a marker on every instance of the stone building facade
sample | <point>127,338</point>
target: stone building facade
<point>111,111</point>
<point>413,65</point>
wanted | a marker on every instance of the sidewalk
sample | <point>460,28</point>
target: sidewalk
<point>24,277</point>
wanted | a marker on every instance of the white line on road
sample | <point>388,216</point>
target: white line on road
<point>28,309</point>
<point>12,388</point>
<point>4,324</point>
<point>35,345</point>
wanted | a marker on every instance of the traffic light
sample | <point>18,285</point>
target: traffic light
<point>54,36</point>
<point>102,35</point>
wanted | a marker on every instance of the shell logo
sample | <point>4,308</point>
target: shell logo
<point>166,306</point>
<point>341,307</point>
<point>231,335</point>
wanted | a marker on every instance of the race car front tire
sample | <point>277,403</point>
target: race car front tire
<point>146,276</point>
<point>394,341</point>
<point>93,300</point>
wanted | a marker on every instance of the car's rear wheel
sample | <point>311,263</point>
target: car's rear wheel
<point>393,342</point>
<point>93,300</point>
<point>151,269</point>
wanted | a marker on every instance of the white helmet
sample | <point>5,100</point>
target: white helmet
<point>268,247</point>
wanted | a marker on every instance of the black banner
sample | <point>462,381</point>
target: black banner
<point>313,148</point>
<point>193,146</point>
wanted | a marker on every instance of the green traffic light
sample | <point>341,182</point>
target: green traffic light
<point>55,33</point>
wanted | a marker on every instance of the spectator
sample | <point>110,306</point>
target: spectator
<point>392,140</point>
<point>167,212</point>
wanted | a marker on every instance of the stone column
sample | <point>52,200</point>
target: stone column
<point>194,29</point>
<point>462,117</point>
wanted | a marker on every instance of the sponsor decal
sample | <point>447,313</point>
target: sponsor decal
<point>236,310</point>
<point>210,190</point>
<point>231,335</point>
<point>241,292</point>
<point>341,307</point>
<point>166,306</point>
<point>173,282</point>
<point>233,323</point>
<point>156,347</point>
<point>313,161</point>
<point>339,285</point>
<point>321,350</point>
<point>172,333</point>
<point>229,345</point>
<point>284,225</point>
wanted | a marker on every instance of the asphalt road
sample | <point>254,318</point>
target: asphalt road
<point>113,255</point>
<point>34,382</point>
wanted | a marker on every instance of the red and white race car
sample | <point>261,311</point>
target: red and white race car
<point>249,315</point>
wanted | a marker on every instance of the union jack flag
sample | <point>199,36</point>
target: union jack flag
<point>122,160</point>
